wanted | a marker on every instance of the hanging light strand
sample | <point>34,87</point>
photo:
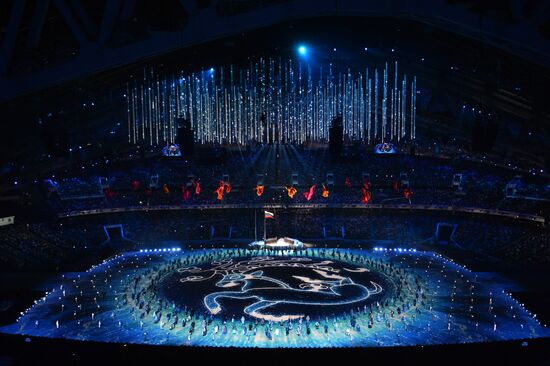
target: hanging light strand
<point>271,101</point>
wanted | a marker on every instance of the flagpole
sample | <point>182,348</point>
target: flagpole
<point>255,227</point>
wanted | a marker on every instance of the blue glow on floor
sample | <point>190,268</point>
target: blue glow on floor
<point>255,298</point>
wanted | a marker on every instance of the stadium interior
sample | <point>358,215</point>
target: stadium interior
<point>254,179</point>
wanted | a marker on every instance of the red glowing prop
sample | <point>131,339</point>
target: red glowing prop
<point>220,190</point>
<point>365,195</point>
<point>325,192</point>
<point>259,190</point>
<point>308,195</point>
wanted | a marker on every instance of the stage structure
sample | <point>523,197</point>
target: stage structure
<point>280,243</point>
<point>272,101</point>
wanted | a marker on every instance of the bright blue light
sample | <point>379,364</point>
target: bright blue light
<point>302,50</point>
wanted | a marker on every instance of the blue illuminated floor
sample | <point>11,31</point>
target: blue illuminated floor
<point>254,298</point>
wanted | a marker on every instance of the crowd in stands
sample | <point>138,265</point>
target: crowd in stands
<point>47,246</point>
<point>64,243</point>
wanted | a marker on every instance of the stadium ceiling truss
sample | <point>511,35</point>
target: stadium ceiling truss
<point>519,32</point>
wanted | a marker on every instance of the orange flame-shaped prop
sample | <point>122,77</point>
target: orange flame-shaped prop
<point>259,190</point>
<point>325,192</point>
<point>365,195</point>
<point>291,191</point>
<point>185,193</point>
<point>407,193</point>
<point>219,191</point>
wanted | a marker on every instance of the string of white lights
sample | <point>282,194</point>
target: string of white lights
<point>270,101</point>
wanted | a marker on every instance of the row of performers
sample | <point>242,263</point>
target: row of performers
<point>194,188</point>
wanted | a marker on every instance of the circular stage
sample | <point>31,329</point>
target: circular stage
<point>278,298</point>
<point>275,288</point>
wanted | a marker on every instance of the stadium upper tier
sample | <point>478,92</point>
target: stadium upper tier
<point>265,175</point>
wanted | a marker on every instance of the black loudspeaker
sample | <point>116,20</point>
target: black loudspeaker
<point>186,137</point>
<point>264,127</point>
<point>184,123</point>
<point>336,136</point>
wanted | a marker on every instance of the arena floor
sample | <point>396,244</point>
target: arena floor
<point>292,299</point>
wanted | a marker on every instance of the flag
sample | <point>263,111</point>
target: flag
<point>268,215</point>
